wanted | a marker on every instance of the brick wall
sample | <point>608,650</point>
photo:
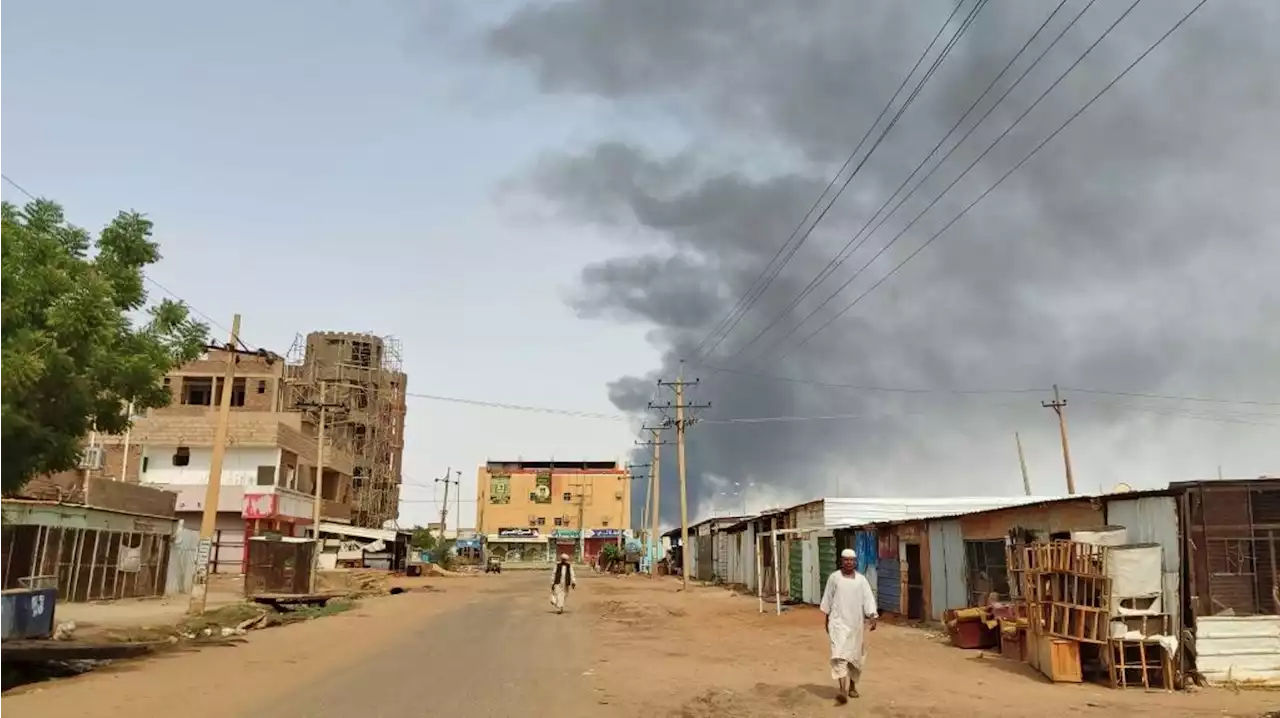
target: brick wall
<point>130,498</point>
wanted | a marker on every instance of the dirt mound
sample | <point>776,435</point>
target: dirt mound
<point>353,581</point>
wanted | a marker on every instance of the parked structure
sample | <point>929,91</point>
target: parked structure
<point>531,510</point>
<point>96,541</point>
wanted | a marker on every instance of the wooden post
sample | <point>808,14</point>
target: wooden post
<point>1022,461</point>
<point>1058,405</point>
<point>209,518</point>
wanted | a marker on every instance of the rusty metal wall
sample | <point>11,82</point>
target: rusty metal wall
<point>1234,547</point>
<point>279,567</point>
<point>86,564</point>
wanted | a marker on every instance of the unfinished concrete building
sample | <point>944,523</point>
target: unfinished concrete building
<point>359,377</point>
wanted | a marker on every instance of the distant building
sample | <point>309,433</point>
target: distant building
<point>534,510</point>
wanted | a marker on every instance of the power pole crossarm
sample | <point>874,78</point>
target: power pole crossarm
<point>1059,405</point>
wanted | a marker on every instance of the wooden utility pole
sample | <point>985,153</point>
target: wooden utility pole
<point>681,425</point>
<point>444,505</point>
<point>317,501</point>
<point>1058,405</point>
<point>209,517</point>
<point>652,550</point>
<point>1022,461</point>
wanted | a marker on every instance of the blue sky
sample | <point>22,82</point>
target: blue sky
<point>334,165</point>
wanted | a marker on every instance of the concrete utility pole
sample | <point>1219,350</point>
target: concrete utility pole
<point>681,424</point>
<point>317,501</point>
<point>444,505</point>
<point>1022,460</point>
<point>209,517</point>
<point>653,546</point>
<point>1058,404</point>
<point>626,503</point>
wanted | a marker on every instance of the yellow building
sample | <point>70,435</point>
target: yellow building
<point>534,510</point>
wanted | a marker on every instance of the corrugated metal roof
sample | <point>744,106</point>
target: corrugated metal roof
<point>862,511</point>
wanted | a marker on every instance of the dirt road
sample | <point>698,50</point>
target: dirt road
<point>490,646</point>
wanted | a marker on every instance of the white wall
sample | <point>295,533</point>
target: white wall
<point>239,465</point>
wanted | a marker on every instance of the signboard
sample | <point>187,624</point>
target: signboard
<point>500,489</point>
<point>565,533</point>
<point>542,487</point>
<point>520,532</point>
<point>606,533</point>
<point>259,506</point>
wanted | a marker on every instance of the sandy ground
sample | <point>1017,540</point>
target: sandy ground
<point>492,646</point>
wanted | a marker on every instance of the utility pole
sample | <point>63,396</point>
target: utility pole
<point>444,505</point>
<point>209,518</point>
<point>317,501</point>
<point>681,424</point>
<point>653,546</point>
<point>626,498</point>
<point>1022,460</point>
<point>1058,404</point>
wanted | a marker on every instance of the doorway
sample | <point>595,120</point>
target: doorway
<point>915,583</point>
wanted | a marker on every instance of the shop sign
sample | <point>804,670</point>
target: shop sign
<point>565,533</point>
<point>542,488</point>
<point>606,533</point>
<point>521,532</point>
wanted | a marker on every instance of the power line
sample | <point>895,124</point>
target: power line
<point>1007,174</point>
<point>752,295</point>
<point>522,407</point>
<point>1143,395</point>
<point>853,245</point>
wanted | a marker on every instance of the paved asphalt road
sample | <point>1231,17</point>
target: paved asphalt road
<point>504,654</point>
<point>480,647</point>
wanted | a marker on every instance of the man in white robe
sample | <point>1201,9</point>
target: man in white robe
<point>561,581</point>
<point>851,608</point>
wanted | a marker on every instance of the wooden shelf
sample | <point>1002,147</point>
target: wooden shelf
<point>1139,663</point>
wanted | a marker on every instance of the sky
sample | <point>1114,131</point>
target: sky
<point>552,203</point>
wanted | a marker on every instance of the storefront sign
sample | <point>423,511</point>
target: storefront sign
<point>500,489</point>
<point>606,533</point>
<point>542,487</point>
<point>566,533</point>
<point>521,532</point>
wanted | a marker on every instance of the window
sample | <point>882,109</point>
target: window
<point>197,390</point>
<point>167,382</point>
<point>542,520</point>
<point>182,456</point>
<point>559,521</point>
<point>604,521</point>
<point>237,392</point>
<point>266,475</point>
<point>262,386</point>
<point>145,460</point>
<point>568,496</point>
<point>985,562</point>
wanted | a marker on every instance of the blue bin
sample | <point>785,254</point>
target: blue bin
<point>28,613</point>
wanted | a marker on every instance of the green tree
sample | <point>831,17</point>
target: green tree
<point>422,539</point>
<point>73,356</point>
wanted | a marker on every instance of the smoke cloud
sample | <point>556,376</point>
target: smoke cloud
<point>1136,252</point>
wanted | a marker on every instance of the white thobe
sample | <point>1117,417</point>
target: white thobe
<point>560,589</point>
<point>848,602</point>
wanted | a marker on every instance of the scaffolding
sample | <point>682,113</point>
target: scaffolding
<point>363,373</point>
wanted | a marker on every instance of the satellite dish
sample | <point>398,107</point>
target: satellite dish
<point>1121,488</point>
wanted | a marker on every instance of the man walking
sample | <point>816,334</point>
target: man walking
<point>850,607</point>
<point>561,582</point>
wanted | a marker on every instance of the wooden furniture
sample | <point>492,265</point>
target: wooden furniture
<point>1140,662</point>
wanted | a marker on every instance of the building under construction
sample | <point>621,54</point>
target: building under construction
<point>358,379</point>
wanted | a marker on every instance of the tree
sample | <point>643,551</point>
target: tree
<point>422,538</point>
<point>73,357</point>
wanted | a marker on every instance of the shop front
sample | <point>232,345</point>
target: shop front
<point>518,544</point>
<point>565,542</point>
<point>597,539</point>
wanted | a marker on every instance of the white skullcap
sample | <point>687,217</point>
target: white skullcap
<point>564,557</point>
<point>848,553</point>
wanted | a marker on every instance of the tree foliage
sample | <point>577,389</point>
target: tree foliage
<point>73,356</point>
